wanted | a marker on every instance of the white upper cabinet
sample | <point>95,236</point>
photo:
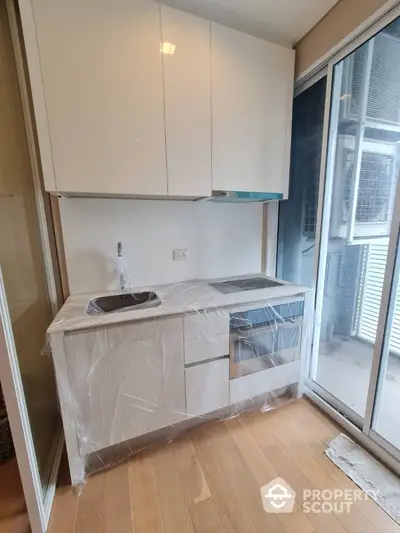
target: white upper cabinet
<point>136,98</point>
<point>102,79</point>
<point>251,95</point>
<point>186,65</point>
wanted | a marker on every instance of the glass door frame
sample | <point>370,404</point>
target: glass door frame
<point>381,348</point>
<point>360,427</point>
<point>38,511</point>
<point>327,172</point>
<point>39,503</point>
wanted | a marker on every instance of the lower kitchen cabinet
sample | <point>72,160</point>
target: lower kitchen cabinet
<point>206,348</point>
<point>207,387</point>
<point>121,380</point>
<point>126,380</point>
<point>206,335</point>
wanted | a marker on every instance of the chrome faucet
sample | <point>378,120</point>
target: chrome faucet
<point>121,267</point>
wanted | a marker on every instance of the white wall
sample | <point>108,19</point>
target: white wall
<point>222,239</point>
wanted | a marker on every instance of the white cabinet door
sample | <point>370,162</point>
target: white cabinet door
<point>264,382</point>
<point>126,380</point>
<point>207,387</point>
<point>186,64</point>
<point>251,94</point>
<point>102,79</point>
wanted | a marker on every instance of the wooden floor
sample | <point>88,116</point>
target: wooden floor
<point>209,480</point>
<point>13,515</point>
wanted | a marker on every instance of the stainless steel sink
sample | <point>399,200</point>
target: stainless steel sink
<point>116,302</point>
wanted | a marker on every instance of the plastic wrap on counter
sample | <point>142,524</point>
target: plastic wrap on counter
<point>138,368</point>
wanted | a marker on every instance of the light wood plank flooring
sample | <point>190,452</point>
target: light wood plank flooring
<point>209,479</point>
<point>13,515</point>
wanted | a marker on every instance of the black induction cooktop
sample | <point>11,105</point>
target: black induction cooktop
<point>248,284</point>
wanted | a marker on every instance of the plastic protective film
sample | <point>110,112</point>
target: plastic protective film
<point>137,369</point>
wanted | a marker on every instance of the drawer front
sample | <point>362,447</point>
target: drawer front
<point>207,387</point>
<point>206,324</point>
<point>247,387</point>
<point>203,349</point>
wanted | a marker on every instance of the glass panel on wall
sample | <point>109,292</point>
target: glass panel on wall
<point>298,214</point>
<point>22,264</point>
<point>359,198</point>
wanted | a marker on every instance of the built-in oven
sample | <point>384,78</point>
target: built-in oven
<point>265,337</point>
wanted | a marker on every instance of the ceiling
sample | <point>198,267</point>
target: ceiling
<point>281,21</point>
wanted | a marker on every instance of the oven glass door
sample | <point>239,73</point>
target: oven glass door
<point>257,348</point>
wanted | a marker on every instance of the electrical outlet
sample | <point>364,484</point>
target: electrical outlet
<point>181,254</point>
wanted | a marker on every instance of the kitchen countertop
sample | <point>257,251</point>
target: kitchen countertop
<point>176,299</point>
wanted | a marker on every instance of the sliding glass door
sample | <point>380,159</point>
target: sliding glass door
<point>382,416</point>
<point>385,419</point>
<point>360,189</point>
<point>339,232</point>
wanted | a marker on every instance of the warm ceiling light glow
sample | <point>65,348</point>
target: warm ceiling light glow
<point>167,48</point>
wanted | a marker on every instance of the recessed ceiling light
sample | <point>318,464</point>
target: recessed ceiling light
<point>168,48</point>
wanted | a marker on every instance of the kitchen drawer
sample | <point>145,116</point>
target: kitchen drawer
<point>207,387</point>
<point>262,382</point>
<point>203,349</point>
<point>206,324</point>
